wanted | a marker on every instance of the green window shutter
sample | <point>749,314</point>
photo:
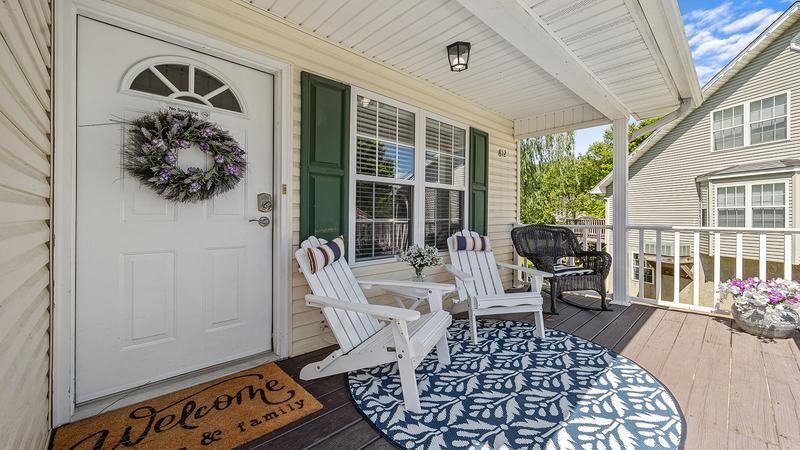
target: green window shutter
<point>324,157</point>
<point>478,180</point>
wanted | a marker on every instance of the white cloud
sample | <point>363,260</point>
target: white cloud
<point>759,19</point>
<point>718,34</point>
<point>710,16</point>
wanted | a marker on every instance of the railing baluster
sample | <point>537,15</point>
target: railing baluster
<point>696,269</point>
<point>585,239</point>
<point>787,256</point>
<point>739,255</point>
<point>676,259</point>
<point>762,256</point>
<point>716,268</point>
<point>641,263</point>
<point>658,265</point>
<point>598,239</point>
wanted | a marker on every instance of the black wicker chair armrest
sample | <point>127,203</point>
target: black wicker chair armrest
<point>598,261</point>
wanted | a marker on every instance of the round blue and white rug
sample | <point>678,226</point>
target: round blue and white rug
<point>515,391</point>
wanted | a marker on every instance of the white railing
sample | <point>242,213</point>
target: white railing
<point>682,249</point>
<point>714,250</point>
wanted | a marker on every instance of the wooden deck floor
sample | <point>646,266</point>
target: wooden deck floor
<point>735,390</point>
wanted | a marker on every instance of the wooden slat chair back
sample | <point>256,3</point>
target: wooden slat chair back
<point>337,281</point>
<point>371,335</point>
<point>482,265</point>
<point>479,284</point>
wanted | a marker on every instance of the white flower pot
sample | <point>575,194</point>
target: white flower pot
<point>759,321</point>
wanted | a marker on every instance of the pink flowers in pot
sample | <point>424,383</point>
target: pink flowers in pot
<point>772,292</point>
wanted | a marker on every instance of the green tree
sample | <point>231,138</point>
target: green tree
<point>555,183</point>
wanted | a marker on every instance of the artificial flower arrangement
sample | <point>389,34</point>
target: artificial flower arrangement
<point>419,258</point>
<point>765,307</point>
<point>151,155</point>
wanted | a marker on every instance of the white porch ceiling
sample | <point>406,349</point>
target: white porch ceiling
<point>611,41</point>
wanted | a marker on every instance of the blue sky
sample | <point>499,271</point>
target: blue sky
<point>717,30</point>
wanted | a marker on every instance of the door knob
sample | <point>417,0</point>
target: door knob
<point>262,221</point>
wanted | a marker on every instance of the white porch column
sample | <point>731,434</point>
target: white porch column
<point>620,212</point>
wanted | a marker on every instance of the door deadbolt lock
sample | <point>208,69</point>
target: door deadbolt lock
<point>262,221</point>
<point>264,202</point>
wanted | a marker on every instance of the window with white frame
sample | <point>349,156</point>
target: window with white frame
<point>410,178</point>
<point>649,272</point>
<point>731,206</point>
<point>384,160</point>
<point>756,205</point>
<point>445,181</point>
<point>768,119</point>
<point>729,128</point>
<point>751,123</point>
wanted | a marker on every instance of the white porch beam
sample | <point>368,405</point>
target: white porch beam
<point>525,30</point>
<point>620,215</point>
<point>567,119</point>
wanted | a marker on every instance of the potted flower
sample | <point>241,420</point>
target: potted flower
<point>419,258</point>
<point>767,308</point>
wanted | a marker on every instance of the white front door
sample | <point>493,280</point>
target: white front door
<point>165,288</point>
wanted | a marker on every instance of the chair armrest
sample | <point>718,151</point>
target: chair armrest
<point>463,276</point>
<point>444,287</point>
<point>380,311</point>
<point>527,270</point>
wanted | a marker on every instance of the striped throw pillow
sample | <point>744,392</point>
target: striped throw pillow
<point>326,254</point>
<point>473,243</point>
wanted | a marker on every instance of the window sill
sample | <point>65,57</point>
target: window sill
<point>747,147</point>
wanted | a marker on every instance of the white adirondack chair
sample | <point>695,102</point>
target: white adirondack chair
<point>364,341</point>
<point>479,284</point>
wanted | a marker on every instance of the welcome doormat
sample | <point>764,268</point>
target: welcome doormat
<point>219,414</point>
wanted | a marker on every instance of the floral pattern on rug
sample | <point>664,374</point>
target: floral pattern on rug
<point>515,391</point>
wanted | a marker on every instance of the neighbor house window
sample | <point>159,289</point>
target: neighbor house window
<point>751,123</point>
<point>756,205</point>
<point>649,272</point>
<point>403,197</point>
<point>729,128</point>
<point>769,205</point>
<point>445,181</point>
<point>731,206</point>
<point>385,149</point>
<point>768,119</point>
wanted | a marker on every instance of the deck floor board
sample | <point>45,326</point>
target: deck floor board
<point>735,390</point>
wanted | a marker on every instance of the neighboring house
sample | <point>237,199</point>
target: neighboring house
<point>732,162</point>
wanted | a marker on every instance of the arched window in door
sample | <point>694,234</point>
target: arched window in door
<point>185,80</point>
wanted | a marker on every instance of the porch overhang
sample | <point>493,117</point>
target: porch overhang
<point>549,66</point>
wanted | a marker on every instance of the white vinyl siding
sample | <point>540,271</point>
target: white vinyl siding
<point>25,153</point>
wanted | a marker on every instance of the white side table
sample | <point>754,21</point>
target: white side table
<point>435,293</point>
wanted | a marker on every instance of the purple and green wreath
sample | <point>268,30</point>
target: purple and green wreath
<point>151,156</point>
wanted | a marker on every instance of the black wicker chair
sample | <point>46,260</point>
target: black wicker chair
<point>547,247</point>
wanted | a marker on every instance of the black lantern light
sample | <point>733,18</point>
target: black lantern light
<point>458,55</point>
